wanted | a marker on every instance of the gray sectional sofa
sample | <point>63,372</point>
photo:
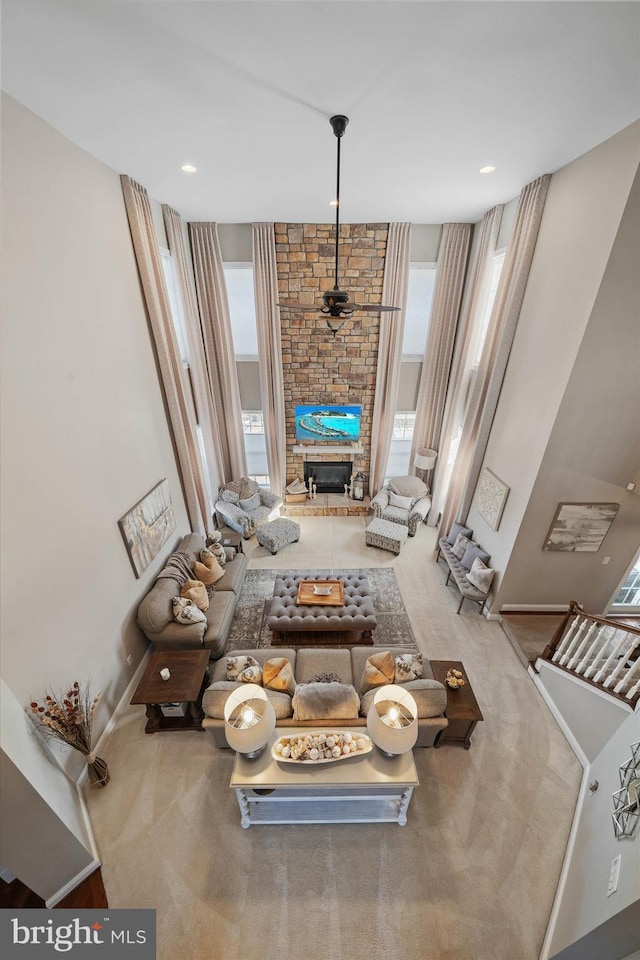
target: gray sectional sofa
<point>155,613</point>
<point>307,662</point>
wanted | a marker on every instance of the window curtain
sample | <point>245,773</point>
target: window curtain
<point>394,292</point>
<point>445,310</point>
<point>179,404</point>
<point>218,346</point>
<point>207,415</point>
<point>479,275</point>
<point>265,278</point>
<point>495,354</point>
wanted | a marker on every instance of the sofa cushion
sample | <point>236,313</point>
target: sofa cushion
<point>234,572</point>
<point>460,546</point>
<point>277,674</point>
<point>474,550</point>
<point>408,666</point>
<point>430,697</point>
<point>215,697</point>
<point>325,701</point>
<point>311,661</point>
<point>379,669</point>
<point>195,590</point>
<point>480,575</point>
<point>412,487</point>
<point>456,529</point>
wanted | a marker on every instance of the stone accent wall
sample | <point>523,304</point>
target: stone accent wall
<point>318,366</point>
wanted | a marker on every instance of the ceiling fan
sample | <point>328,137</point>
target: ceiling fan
<point>336,305</point>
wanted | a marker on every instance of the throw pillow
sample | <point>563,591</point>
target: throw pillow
<point>378,670</point>
<point>325,701</point>
<point>480,575</point>
<point>215,550</point>
<point>460,546</point>
<point>209,572</point>
<point>229,496</point>
<point>185,611</point>
<point>456,529</point>
<point>411,487</point>
<point>408,667</point>
<point>405,503</point>
<point>244,669</point>
<point>251,504</point>
<point>195,590</point>
<point>277,674</point>
<point>474,550</point>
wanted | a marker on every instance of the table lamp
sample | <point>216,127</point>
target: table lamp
<point>249,720</point>
<point>392,720</point>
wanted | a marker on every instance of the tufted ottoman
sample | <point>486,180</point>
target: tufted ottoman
<point>278,533</point>
<point>386,535</point>
<point>316,626</point>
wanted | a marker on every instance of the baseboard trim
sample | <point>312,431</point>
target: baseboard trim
<point>71,884</point>
<point>534,608</point>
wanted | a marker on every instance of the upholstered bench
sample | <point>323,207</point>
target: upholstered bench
<point>278,533</point>
<point>386,535</point>
<point>354,622</point>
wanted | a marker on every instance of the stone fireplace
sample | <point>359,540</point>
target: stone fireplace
<point>330,476</point>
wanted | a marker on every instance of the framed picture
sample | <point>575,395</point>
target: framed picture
<point>491,496</point>
<point>147,526</point>
<point>580,527</point>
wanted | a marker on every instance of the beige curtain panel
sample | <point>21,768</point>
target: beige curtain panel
<point>265,279</point>
<point>394,293</point>
<point>218,344</point>
<point>205,410</point>
<point>179,404</point>
<point>476,289</point>
<point>495,354</point>
<point>443,323</point>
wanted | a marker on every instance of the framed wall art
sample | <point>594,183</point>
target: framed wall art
<point>580,527</point>
<point>147,526</point>
<point>491,496</point>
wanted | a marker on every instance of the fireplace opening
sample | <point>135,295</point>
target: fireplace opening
<point>329,476</point>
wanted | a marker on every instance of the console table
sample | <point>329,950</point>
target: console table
<point>462,712</point>
<point>371,788</point>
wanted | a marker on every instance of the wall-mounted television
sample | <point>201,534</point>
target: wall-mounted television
<point>328,422</point>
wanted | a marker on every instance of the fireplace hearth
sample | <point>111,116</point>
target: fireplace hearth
<point>329,476</point>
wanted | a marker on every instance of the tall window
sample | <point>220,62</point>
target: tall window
<point>627,599</point>
<point>416,326</point>
<point>242,311</point>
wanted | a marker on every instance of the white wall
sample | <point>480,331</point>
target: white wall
<point>584,905</point>
<point>584,207</point>
<point>84,432</point>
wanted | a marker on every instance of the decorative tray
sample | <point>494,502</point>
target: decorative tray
<point>320,592</point>
<point>303,749</point>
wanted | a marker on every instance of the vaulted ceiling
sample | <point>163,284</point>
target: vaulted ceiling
<point>243,91</point>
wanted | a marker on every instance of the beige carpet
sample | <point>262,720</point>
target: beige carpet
<point>471,877</point>
<point>529,633</point>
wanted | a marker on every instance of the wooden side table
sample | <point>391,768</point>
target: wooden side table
<point>231,538</point>
<point>189,677</point>
<point>463,712</point>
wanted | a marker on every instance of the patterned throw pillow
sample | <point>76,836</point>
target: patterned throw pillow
<point>408,667</point>
<point>480,575</point>
<point>277,674</point>
<point>195,590</point>
<point>456,529</point>
<point>244,669</point>
<point>460,546</point>
<point>474,550</point>
<point>185,611</point>
<point>229,496</point>
<point>378,670</point>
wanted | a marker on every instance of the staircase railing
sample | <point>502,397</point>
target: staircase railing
<point>602,652</point>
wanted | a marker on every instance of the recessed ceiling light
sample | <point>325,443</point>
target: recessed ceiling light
<point>333,203</point>
<point>481,170</point>
<point>188,168</point>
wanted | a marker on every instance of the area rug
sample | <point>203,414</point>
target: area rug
<point>249,628</point>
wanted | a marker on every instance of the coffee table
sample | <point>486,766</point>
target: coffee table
<point>462,712</point>
<point>189,677</point>
<point>321,625</point>
<point>371,788</point>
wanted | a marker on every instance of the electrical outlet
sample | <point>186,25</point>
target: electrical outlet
<point>129,659</point>
<point>606,560</point>
<point>614,873</point>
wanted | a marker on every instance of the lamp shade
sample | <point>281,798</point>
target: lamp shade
<point>425,459</point>
<point>249,719</point>
<point>392,720</point>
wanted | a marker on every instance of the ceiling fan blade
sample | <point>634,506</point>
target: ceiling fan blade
<point>295,305</point>
<point>372,307</point>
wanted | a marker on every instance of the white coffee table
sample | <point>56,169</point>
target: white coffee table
<point>363,789</point>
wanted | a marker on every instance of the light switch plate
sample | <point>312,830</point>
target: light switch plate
<point>614,873</point>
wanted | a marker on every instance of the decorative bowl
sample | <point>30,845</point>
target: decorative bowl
<point>313,747</point>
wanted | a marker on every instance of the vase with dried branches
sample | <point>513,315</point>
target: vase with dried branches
<point>68,717</point>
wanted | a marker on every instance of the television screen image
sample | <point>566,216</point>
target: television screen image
<point>328,422</point>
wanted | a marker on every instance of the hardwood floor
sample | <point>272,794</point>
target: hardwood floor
<point>90,893</point>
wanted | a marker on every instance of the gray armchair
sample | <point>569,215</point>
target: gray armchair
<point>403,500</point>
<point>244,506</point>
